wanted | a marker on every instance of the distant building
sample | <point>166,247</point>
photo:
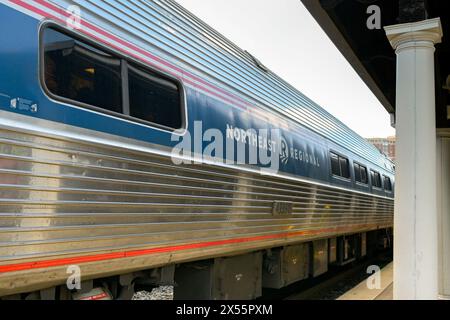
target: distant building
<point>385,145</point>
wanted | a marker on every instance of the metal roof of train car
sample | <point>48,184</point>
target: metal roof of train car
<point>168,30</point>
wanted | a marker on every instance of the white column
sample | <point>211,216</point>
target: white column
<point>415,218</point>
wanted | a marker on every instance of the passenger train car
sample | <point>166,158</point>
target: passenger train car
<point>138,146</point>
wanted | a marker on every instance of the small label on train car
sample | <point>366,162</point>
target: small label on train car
<point>23,105</point>
<point>282,208</point>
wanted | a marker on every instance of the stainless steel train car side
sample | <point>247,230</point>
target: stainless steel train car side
<point>79,187</point>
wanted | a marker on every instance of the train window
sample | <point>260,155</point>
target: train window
<point>387,184</point>
<point>376,179</point>
<point>339,166</point>
<point>364,178</point>
<point>345,170</point>
<point>83,74</point>
<point>360,173</point>
<point>357,169</point>
<point>79,72</point>
<point>335,167</point>
<point>154,99</point>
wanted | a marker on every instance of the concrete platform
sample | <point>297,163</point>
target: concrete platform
<point>362,292</point>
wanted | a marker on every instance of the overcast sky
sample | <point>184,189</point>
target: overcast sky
<point>285,38</point>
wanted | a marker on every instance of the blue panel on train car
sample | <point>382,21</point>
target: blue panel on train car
<point>18,55</point>
<point>301,155</point>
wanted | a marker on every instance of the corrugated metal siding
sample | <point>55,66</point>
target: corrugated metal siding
<point>66,198</point>
<point>168,30</point>
<point>62,197</point>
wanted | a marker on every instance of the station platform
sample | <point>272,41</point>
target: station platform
<point>362,292</point>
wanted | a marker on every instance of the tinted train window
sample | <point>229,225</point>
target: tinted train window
<point>339,166</point>
<point>78,72</point>
<point>387,184</point>
<point>376,179</point>
<point>335,167</point>
<point>84,74</point>
<point>154,99</point>
<point>364,178</point>
<point>360,173</point>
<point>345,171</point>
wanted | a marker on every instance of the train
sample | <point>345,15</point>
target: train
<point>140,147</point>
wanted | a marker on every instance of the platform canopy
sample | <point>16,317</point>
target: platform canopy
<point>369,51</point>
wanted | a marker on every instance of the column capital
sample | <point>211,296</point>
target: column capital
<point>424,33</point>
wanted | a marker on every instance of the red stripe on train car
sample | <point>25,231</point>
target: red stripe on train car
<point>136,253</point>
